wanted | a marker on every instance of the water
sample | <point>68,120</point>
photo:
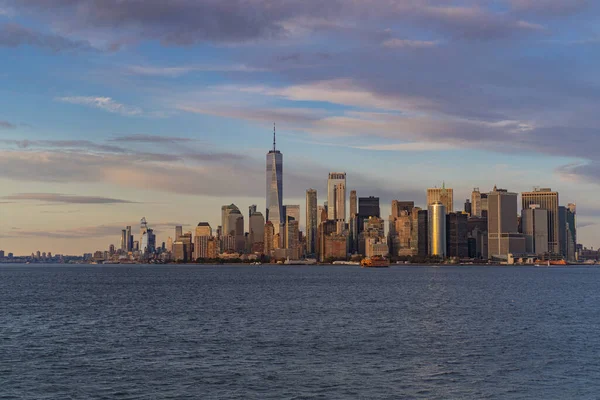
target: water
<point>189,332</point>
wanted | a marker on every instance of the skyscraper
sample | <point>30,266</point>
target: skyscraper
<point>251,209</point>
<point>336,196</point>
<point>547,200</point>
<point>367,207</point>
<point>203,229</point>
<point>229,215</point>
<point>476,203</point>
<point>292,211</point>
<point>311,220</point>
<point>444,195</point>
<point>423,233</point>
<point>457,243</point>
<point>274,176</point>
<point>269,237</point>
<point>436,214</point>
<point>353,204</point>
<point>124,240</point>
<point>468,207</point>
<point>178,232</point>
<point>321,215</point>
<point>503,236</point>
<point>257,228</point>
<point>399,206</point>
<point>534,223</point>
<point>567,232</point>
<point>129,239</point>
<point>292,242</point>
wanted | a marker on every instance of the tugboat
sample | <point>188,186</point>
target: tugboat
<point>375,262</point>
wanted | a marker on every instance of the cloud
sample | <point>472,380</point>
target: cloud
<point>412,146</point>
<point>551,7</point>
<point>64,144</point>
<point>14,35</point>
<point>143,138</point>
<point>6,125</point>
<point>174,72</point>
<point>65,198</point>
<point>404,43</point>
<point>185,22</point>
<point>269,114</point>
<point>103,103</point>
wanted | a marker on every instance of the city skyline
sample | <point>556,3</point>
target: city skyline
<point>104,121</point>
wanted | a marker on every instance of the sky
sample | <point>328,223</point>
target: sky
<point>114,110</point>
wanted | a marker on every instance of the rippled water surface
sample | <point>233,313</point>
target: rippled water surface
<point>189,332</point>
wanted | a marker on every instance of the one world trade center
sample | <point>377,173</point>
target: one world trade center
<point>275,186</point>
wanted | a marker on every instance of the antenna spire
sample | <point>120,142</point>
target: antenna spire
<point>273,136</point>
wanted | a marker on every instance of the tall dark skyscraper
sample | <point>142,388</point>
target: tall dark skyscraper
<point>367,207</point>
<point>457,244</point>
<point>311,221</point>
<point>274,175</point>
<point>468,207</point>
<point>423,233</point>
<point>129,238</point>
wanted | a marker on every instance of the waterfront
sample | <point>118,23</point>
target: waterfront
<point>291,332</point>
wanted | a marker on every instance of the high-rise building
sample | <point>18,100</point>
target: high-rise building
<point>170,244</point>
<point>201,246</point>
<point>335,246</point>
<point>257,228</point>
<point>274,176</point>
<point>178,232</point>
<point>444,195</point>
<point>534,225</point>
<point>240,238</point>
<point>373,227</point>
<point>183,249</point>
<point>353,203</point>
<point>399,206</point>
<point>311,220</point>
<point>436,216</point>
<point>476,203</point>
<point>367,207</point>
<point>402,237</point>
<point>129,238</point>
<point>251,210</point>
<point>457,243</point>
<point>292,238</point>
<point>326,228</point>
<point>292,211</point>
<point>336,196</point>
<point>321,215</point>
<point>203,229</point>
<point>484,204</point>
<point>423,233</point>
<point>477,232</point>
<point>124,240</point>
<point>547,200</point>
<point>229,220</point>
<point>148,241</point>
<point>572,253</point>
<point>269,238</point>
<point>567,232</point>
<point>468,207</point>
<point>503,236</point>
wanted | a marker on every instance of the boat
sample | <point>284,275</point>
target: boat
<point>299,262</point>
<point>375,262</point>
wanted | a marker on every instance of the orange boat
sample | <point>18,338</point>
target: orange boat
<point>558,262</point>
<point>375,262</point>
